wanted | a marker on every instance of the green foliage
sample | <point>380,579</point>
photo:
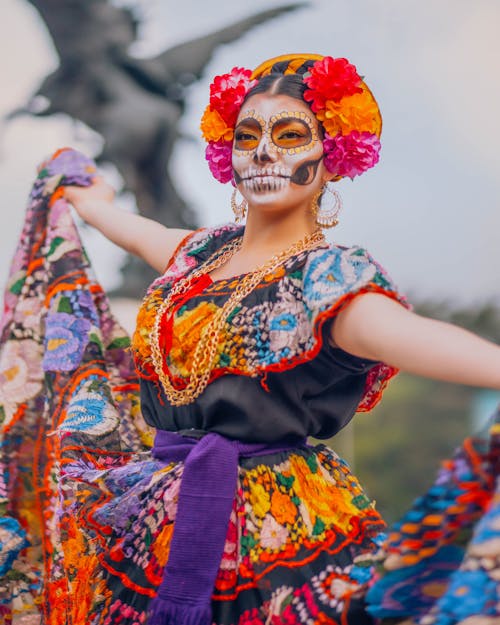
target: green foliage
<point>399,445</point>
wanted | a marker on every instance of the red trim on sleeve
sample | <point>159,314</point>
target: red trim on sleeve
<point>180,245</point>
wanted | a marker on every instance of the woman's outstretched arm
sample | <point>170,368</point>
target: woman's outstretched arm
<point>376,327</point>
<point>143,237</point>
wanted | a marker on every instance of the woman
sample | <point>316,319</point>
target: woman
<point>251,340</point>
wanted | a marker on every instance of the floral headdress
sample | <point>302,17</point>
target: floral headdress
<point>337,95</point>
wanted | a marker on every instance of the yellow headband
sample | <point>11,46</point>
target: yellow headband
<point>295,61</point>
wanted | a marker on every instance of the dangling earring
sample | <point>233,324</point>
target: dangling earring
<point>326,216</point>
<point>239,210</point>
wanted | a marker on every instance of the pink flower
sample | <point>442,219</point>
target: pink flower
<point>171,499</point>
<point>272,534</point>
<point>219,157</point>
<point>20,374</point>
<point>351,155</point>
<point>27,313</point>
<point>331,79</point>
<point>228,91</point>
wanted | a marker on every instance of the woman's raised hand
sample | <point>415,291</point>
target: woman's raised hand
<point>86,200</point>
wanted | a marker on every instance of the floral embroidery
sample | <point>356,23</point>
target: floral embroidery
<point>12,540</point>
<point>272,534</point>
<point>66,339</point>
<point>93,546</point>
<point>187,334</point>
<point>269,333</point>
<point>20,376</point>
<point>27,313</point>
<point>91,413</point>
<point>89,391</point>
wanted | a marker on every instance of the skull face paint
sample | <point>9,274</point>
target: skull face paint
<point>277,150</point>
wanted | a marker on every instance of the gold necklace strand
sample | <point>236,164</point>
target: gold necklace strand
<point>205,352</point>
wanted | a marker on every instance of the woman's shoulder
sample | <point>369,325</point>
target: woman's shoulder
<point>334,270</point>
<point>204,241</point>
<point>195,249</point>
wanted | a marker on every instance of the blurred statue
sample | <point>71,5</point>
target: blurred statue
<point>134,104</point>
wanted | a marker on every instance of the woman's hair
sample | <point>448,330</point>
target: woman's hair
<point>279,83</point>
<point>291,85</point>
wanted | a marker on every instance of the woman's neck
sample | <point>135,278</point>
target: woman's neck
<point>265,235</point>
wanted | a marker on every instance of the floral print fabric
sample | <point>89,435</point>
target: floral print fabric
<point>64,370</point>
<point>87,514</point>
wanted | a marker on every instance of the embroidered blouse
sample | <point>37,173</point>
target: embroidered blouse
<point>277,376</point>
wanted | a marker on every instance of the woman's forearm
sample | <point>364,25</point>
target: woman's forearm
<point>373,326</point>
<point>442,351</point>
<point>143,237</point>
<point>127,230</point>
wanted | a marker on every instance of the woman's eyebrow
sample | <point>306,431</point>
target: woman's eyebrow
<point>249,121</point>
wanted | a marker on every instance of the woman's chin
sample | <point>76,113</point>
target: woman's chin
<point>268,200</point>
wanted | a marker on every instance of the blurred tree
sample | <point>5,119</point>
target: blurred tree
<point>134,104</point>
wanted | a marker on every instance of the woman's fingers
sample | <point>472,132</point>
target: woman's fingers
<point>99,190</point>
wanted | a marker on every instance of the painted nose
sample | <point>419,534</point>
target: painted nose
<point>263,153</point>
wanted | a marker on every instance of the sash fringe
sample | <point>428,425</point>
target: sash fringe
<point>167,612</point>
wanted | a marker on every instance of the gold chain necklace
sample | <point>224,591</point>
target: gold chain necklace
<point>205,353</point>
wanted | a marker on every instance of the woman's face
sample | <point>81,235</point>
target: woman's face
<point>277,152</point>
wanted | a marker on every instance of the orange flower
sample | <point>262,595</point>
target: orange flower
<point>161,546</point>
<point>322,497</point>
<point>214,128</point>
<point>145,321</point>
<point>57,595</point>
<point>282,508</point>
<point>186,336</point>
<point>357,112</point>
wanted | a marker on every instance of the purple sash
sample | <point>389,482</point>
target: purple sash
<point>206,498</point>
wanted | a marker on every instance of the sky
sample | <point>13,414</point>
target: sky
<point>429,211</point>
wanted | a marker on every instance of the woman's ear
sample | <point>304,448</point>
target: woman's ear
<point>327,176</point>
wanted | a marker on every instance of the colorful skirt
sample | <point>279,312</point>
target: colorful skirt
<point>298,548</point>
<point>87,513</point>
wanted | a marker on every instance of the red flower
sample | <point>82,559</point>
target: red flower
<point>228,91</point>
<point>331,79</point>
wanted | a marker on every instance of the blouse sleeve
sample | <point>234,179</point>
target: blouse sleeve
<point>332,279</point>
<point>193,250</point>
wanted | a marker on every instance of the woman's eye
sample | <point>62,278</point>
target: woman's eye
<point>245,136</point>
<point>290,134</point>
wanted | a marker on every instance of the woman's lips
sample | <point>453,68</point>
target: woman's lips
<point>265,173</point>
<point>274,182</point>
